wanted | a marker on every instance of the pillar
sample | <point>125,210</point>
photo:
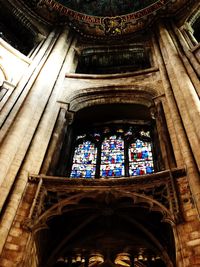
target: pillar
<point>184,92</point>
<point>25,145</point>
<point>174,115</point>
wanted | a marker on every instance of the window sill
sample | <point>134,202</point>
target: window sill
<point>148,178</point>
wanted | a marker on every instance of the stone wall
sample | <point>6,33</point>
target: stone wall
<point>33,123</point>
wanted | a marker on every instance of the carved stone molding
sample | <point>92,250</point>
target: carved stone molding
<point>55,195</point>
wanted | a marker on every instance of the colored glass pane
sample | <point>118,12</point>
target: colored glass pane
<point>112,157</point>
<point>84,161</point>
<point>140,158</point>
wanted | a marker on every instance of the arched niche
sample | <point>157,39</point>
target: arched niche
<point>106,115</point>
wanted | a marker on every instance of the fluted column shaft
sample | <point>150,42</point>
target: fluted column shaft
<point>24,147</point>
<point>180,142</point>
<point>184,92</point>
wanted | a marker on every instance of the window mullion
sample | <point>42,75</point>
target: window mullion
<point>126,158</point>
<point>98,162</point>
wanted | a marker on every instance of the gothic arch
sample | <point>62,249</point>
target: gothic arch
<point>138,199</point>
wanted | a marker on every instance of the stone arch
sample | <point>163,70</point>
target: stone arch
<point>127,94</point>
<point>94,97</point>
<point>57,209</point>
<point>77,99</point>
<point>107,203</point>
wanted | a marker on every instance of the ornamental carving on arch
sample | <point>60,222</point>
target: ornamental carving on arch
<point>59,195</point>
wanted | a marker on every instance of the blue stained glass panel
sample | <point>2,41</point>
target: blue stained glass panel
<point>84,161</point>
<point>140,158</point>
<point>112,157</point>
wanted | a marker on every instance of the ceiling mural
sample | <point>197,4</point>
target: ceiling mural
<point>104,18</point>
<point>106,8</point>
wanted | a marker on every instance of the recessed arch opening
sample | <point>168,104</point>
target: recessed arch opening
<point>123,135</point>
<point>107,113</point>
<point>96,232</point>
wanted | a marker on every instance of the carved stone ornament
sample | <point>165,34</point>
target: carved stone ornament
<point>154,192</point>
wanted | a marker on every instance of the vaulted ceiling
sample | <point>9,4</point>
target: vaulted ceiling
<point>106,8</point>
<point>104,18</point>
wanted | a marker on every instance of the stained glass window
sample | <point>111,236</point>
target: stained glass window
<point>112,157</point>
<point>140,158</point>
<point>113,152</point>
<point>84,161</point>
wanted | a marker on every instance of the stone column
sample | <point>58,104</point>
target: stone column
<point>179,140</point>
<point>56,143</point>
<point>64,119</point>
<point>184,92</point>
<point>24,147</point>
<point>16,98</point>
<point>169,105</point>
<point>163,134</point>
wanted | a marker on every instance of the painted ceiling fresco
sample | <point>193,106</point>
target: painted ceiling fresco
<point>106,8</point>
<point>104,18</point>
